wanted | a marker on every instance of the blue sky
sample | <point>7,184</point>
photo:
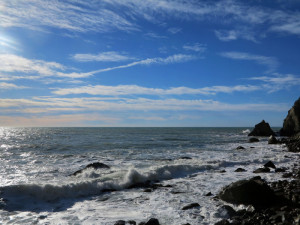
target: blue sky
<point>148,63</point>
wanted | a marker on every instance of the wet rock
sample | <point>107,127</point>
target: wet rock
<point>291,124</point>
<point>240,148</point>
<point>280,170</point>
<point>132,222</point>
<point>226,211</point>
<point>272,140</point>
<point>270,164</point>
<point>240,170</point>
<point>185,157</point>
<point>96,165</point>
<point>120,222</point>
<point>262,129</point>
<point>248,192</point>
<point>262,170</point>
<point>190,206</point>
<point>222,222</point>
<point>152,221</point>
<point>252,140</point>
<point>209,194</point>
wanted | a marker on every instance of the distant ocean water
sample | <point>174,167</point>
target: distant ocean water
<point>36,163</point>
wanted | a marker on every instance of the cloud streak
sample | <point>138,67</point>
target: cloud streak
<point>270,62</point>
<point>102,57</point>
<point>139,90</point>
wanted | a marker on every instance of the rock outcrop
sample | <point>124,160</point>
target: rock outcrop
<point>248,192</point>
<point>262,129</point>
<point>291,124</point>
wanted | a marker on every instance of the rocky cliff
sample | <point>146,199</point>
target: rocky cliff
<point>291,124</point>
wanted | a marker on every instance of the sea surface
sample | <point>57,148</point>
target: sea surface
<point>36,164</point>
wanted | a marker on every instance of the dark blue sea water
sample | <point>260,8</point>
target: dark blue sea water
<point>36,163</point>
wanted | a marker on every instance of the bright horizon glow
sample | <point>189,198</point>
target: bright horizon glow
<point>130,63</point>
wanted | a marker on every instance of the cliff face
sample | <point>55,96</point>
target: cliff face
<point>291,124</point>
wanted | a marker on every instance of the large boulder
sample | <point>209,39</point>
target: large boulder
<point>248,192</point>
<point>262,129</point>
<point>291,124</point>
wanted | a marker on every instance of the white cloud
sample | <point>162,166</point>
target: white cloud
<point>270,62</point>
<point>124,15</point>
<point>177,58</point>
<point>197,47</point>
<point>231,35</point>
<point>174,30</point>
<point>4,85</point>
<point>102,57</point>
<point>278,81</point>
<point>14,63</point>
<point>58,120</point>
<point>139,90</point>
<point>68,15</point>
<point>89,105</point>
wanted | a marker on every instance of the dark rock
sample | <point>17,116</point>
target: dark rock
<point>280,170</point>
<point>185,157</point>
<point>270,165</point>
<point>226,211</point>
<point>209,194</point>
<point>222,222</point>
<point>240,148</point>
<point>120,222</point>
<point>248,192</point>
<point>152,221</point>
<point>262,129</point>
<point>293,143</point>
<point>262,170</point>
<point>252,140</point>
<point>272,140</point>
<point>287,175</point>
<point>96,165</point>
<point>291,124</point>
<point>190,206</point>
<point>240,170</point>
<point>222,171</point>
<point>132,222</point>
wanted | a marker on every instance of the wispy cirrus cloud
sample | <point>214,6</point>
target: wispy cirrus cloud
<point>10,63</point>
<point>94,104</point>
<point>270,62</point>
<point>232,35</point>
<point>177,58</point>
<point>15,63</point>
<point>278,82</point>
<point>67,15</point>
<point>139,90</point>
<point>7,86</point>
<point>196,47</point>
<point>111,56</point>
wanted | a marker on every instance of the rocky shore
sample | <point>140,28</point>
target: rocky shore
<point>269,203</point>
<point>265,203</point>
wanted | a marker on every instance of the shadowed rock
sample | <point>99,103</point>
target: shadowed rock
<point>291,124</point>
<point>252,140</point>
<point>272,140</point>
<point>190,206</point>
<point>248,192</point>
<point>262,129</point>
<point>270,164</point>
<point>262,170</point>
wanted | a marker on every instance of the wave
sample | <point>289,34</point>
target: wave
<point>247,131</point>
<point>73,190</point>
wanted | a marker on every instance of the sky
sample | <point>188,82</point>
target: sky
<point>149,63</point>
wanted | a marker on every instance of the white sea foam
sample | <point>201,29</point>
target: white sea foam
<point>247,131</point>
<point>36,186</point>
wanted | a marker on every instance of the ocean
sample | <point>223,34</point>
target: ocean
<point>36,185</point>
